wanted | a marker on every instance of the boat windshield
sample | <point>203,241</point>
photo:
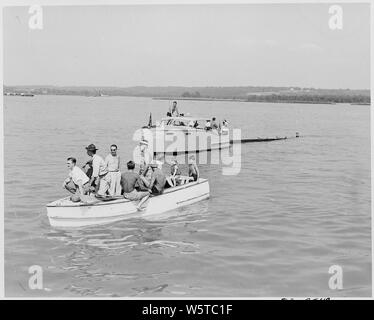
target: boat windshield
<point>184,122</point>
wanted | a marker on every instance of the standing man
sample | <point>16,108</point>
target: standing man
<point>145,154</point>
<point>99,171</point>
<point>173,111</point>
<point>214,124</point>
<point>175,174</point>
<point>112,162</point>
<point>77,183</point>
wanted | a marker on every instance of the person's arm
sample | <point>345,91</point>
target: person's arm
<point>95,171</point>
<point>197,171</point>
<point>153,179</point>
<point>92,180</point>
<point>119,163</point>
<point>66,181</point>
<point>80,186</point>
<point>144,183</point>
<point>141,184</point>
<point>145,170</point>
<point>122,181</point>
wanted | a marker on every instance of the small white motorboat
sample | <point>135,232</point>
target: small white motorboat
<point>174,135</point>
<point>65,213</point>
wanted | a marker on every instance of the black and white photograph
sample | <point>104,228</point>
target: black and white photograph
<point>187,150</point>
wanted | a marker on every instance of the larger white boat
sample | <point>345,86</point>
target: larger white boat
<point>173,135</point>
<point>65,213</point>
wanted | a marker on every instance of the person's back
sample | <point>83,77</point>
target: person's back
<point>158,180</point>
<point>99,166</point>
<point>77,174</point>
<point>128,181</point>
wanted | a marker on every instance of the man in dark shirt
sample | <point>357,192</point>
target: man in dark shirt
<point>214,124</point>
<point>129,180</point>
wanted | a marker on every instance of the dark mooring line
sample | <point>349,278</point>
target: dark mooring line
<point>259,139</point>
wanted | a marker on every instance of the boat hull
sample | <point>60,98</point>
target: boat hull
<point>64,213</point>
<point>186,140</point>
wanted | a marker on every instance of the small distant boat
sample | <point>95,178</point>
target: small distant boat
<point>22,94</point>
<point>174,135</point>
<point>65,213</point>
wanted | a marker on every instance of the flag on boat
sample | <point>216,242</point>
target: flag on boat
<point>150,120</point>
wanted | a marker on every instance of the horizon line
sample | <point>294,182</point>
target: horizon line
<point>180,86</point>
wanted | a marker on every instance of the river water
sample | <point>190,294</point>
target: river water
<point>296,208</point>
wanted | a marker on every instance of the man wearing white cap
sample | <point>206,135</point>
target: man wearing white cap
<point>145,154</point>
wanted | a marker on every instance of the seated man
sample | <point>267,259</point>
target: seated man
<point>208,125</point>
<point>158,179</point>
<point>77,183</point>
<point>129,180</point>
<point>175,174</point>
<point>193,170</point>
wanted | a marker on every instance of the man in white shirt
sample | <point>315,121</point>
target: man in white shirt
<point>112,162</point>
<point>99,171</point>
<point>145,155</point>
<point>77,183</point>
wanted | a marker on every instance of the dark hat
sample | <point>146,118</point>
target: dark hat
<point>91,147</point>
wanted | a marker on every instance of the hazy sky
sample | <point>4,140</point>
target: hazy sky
<point>189,45</point>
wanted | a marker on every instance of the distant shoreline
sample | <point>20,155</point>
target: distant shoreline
<point>236,94</point>
<point>197,99</point>
<point>244,100</point>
